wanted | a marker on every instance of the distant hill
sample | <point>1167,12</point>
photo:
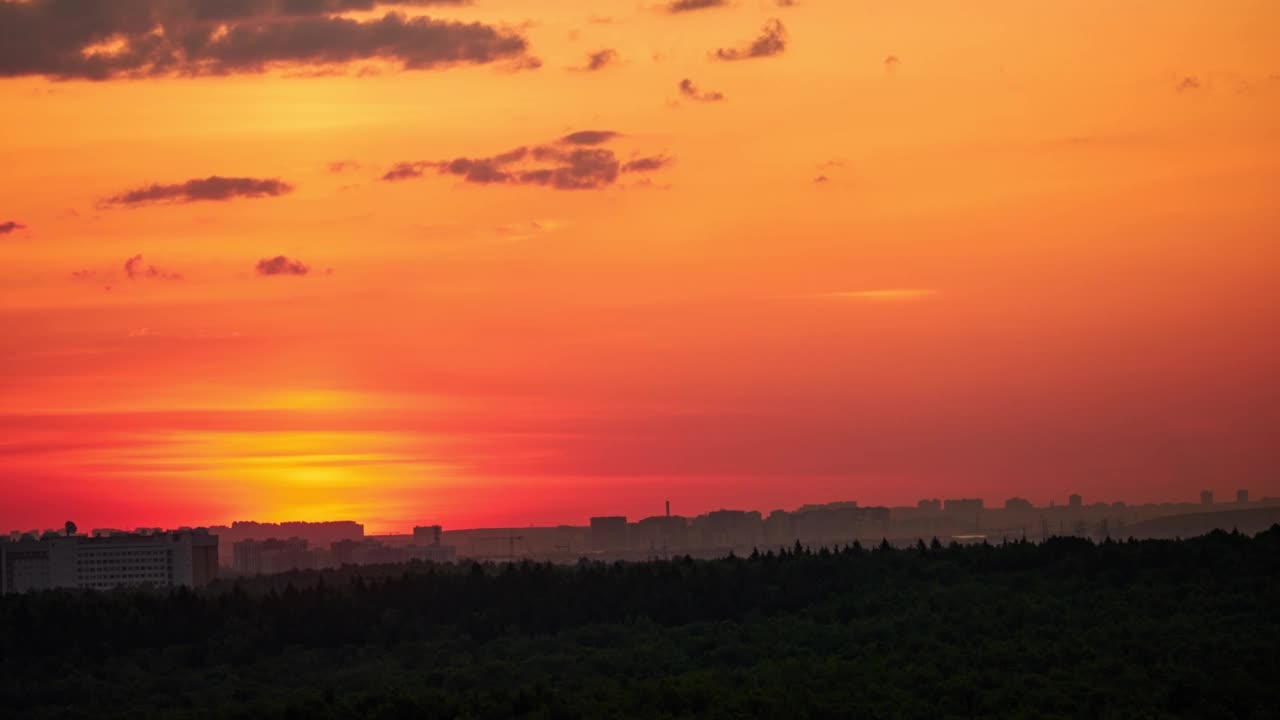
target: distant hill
<point>1248,521</point>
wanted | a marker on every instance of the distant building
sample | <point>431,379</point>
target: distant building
<point>317,534</point>
<point>609,533</point>
<point>1075,501</point>
<point>778,528</point>
<point>267,557</point>
<point>186,558</point>
<point>429,553</point>
<point>660,533</point>
<point>1206,497</point>
<point>931,505</point>
<point>428,535</point>
<point>1017,503</point>
<point>1242,496</point>
<point>729,528</point>
<point>962,505</point>
<point>838,523</point>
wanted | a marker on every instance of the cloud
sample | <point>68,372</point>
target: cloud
<point>281,265</point>
<point>681,6</point>
<point>103,39</point>
<point>134,269</point>
<point>9,226</point>
<point>406,171</point>
<point>772,41</point>
<point>341,166</point>
<point>579,166</point>
<point>691,91</point>
<point>214,188</point>
<point>821,180</point>
<point>648,164</point>
<point>891,63</point>
<point>599,60</point>
<point>589,137</point>
<point>1188,83</point>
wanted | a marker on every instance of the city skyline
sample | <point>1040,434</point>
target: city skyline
<point>499,263</point>
<point>1238,496</point>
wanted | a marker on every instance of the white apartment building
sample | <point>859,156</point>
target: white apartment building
<point>186,558</point>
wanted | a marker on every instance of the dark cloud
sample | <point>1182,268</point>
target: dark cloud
<point>600,59</point>
<point>772,41</point>
<point>342,166</point>
<point>581,166</point>
<point>135,269</point>
<point>10,226</point>
<point>210,188</point>
<point>691,91</point>
<point>406,171</point>
<point>679,6</point>
<point>281,265</point>
<point>822,180</point>
<point>589,137</point>
<point>648,164</point>
<point>230,9</point>
<point>1188,83</point>
<point>101,39</point>
<point>787,3</point>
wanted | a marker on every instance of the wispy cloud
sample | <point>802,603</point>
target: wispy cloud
<point>1188,83</point>
<point>213,188</point>
<point>281,265</point>
<point>675,7</point>
<point>771,41</point>
<point>574,162</point>
<point>11,226</point>
<point>589,137</point>
<point>691,91</point>
<point>599,60</point>
<point>136,269</point>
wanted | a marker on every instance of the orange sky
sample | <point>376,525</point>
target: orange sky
<point>914,249</point>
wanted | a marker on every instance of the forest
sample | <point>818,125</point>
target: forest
<point>1067,628</point>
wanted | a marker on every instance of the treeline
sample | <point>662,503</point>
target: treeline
<point>1065,628</point>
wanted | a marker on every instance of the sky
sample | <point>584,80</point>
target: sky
<point>510,263</point>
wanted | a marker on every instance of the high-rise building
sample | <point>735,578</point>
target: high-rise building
<point>267,557</point>
<point>1242,496</point>
<point>1206,497</point>
<point>930,505</point>
<point>1075,501</point>
<point>186,558</point>
<point>427,535</point>
<point>962,505</point>
<point>609,533</point>
<point>1017,503</point>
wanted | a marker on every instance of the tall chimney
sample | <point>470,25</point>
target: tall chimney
<point>668,508</point>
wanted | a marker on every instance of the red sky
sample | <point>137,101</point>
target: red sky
<point>872,251</point>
